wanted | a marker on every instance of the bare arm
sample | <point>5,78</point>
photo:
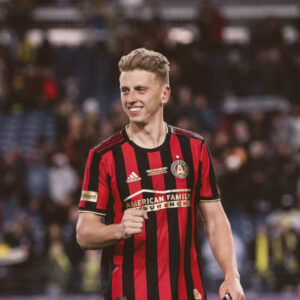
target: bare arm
<point>93,234</point>
<point>221,242</point>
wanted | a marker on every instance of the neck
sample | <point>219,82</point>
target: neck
<point>149,135</point>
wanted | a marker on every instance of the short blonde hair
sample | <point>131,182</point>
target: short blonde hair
<point>146,60</point>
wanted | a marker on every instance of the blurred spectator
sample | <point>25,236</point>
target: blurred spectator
<point>26,52</point>
<point>58,269</point>
<point>50,92</point>
<point>210,23</point>
<point>33,86</point>
<point>36,176</point>
<point>71,89</point>
<point>91,272</point>
<point>11,186</point>
<point>74,252</point>
<point>63,180</point>
<point>11,182</point>
<point>267,75</point>
<point>45,53</point>
<point>3,82</point>
<point>236,74</point>
<point>276,254</point>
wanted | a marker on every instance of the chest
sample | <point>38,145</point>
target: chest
<point>154,180</point>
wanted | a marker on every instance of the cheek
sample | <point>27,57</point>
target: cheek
<point>123,103</point>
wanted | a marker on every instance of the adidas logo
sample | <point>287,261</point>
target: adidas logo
<point>133,177</point>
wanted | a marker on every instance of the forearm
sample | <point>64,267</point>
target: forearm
<point>92,234</point>
<point>97,236</point>
<point>221,242</point>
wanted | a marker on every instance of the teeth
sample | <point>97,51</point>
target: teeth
<point>135,108</point>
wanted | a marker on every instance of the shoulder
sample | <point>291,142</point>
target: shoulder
<point>113,141</point>
<point>185,133</point>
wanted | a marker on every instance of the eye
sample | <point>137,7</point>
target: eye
<point>124,91</point>
<point>141,90</point>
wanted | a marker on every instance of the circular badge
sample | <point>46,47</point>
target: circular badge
<point>180,169</point>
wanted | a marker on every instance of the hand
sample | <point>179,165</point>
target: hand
<point>233,287</point>
<point>132,222</point>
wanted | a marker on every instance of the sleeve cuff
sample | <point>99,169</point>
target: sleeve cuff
<point>100,213</point>
<point>210,200</point>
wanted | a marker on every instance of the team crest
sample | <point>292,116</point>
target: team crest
<point>180,168</point>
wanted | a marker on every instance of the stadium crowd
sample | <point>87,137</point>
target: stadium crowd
<point>256,151</point>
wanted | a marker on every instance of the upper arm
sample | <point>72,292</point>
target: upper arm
<point>208,185</point>
<point>87,222</point>
<point>88,219</point>
<point>95,189</point>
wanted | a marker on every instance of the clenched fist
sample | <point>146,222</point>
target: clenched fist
<point>132,222</point>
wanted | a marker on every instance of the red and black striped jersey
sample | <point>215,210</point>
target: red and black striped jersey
<point>163,261</point>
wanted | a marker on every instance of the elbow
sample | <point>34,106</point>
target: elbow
<point>80,238</point>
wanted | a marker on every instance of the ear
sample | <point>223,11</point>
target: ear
<point>165,94</point>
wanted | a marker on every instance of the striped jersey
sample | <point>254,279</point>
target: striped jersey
<point>168,182</point>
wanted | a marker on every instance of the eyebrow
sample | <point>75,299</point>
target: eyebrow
<point>138,87</point>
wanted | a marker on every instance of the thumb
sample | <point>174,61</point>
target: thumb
<point>145,215</point>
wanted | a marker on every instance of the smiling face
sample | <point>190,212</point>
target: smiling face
<point>143,96</point>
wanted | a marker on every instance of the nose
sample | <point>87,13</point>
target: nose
<point>131,97</point>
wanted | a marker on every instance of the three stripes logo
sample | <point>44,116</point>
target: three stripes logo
<point>133,177</point>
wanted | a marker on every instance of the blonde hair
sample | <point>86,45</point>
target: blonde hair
<point>146,60</point>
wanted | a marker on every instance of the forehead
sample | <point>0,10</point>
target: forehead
<point>137,77</point>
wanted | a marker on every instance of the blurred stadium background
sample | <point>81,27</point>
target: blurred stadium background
<point>235,77</point>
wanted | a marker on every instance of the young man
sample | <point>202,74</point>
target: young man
<point>148,181</point>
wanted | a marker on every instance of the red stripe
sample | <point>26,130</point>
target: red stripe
<point>205,183</point>
<point>86,178</point>
<point>140,282</point>
<point>195,146</point>
<point>109,140</point>
<point>182,219</point>
<point>162,234</point>
<point>187,133</point>
<point>111,144</point>
<point>103,189</point>
<point>117,283</point>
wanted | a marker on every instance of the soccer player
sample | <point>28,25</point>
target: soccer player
<point>146,183</point>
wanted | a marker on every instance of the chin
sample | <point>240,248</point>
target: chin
<point>138,121</point>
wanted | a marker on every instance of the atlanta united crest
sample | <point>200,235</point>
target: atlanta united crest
<point>180,169</point>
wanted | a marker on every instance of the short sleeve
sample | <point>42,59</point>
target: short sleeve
<point>208,186</point>
<point>95,190</point>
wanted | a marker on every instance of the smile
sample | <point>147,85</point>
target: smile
<point>135,109</point>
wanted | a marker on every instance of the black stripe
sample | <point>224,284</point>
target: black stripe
<point>199,182</point>
<point>173,227</point>
<point>107,267</point>
<point>127,265</point>
<point>151,231</point>
<point>92,207</point>
<point>110,145</point>
<point>188,158</point>
<point>94,172</point>
<point>108,140</point>
<point>93,184</point>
